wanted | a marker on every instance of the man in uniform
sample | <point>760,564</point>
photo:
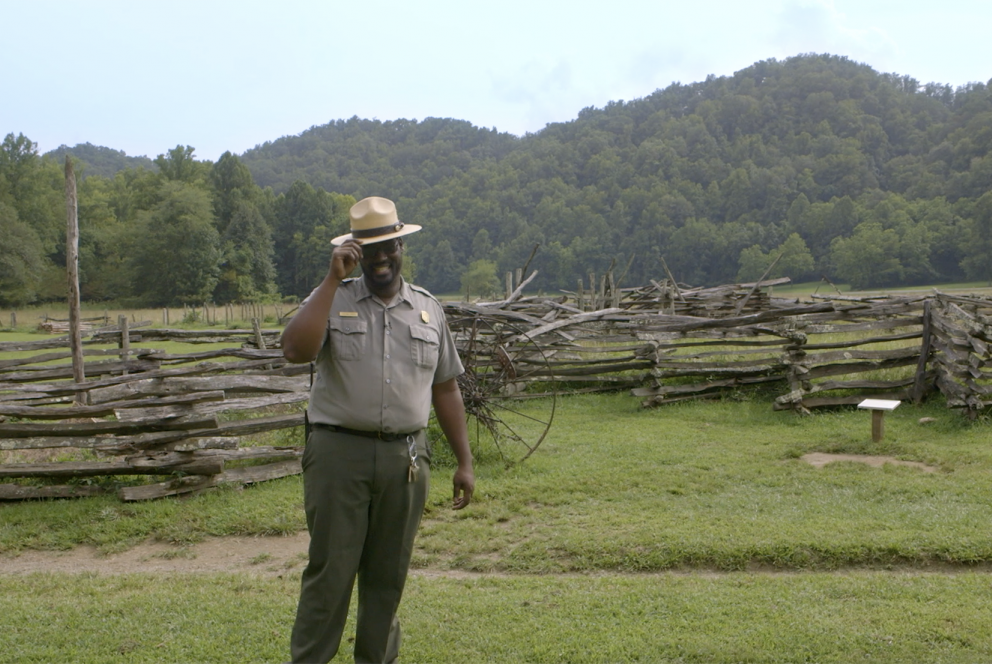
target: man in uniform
<point>384,354</point>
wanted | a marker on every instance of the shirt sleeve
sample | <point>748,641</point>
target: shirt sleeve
<point>449,365</point>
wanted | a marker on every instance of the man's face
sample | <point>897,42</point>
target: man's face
<point>382,263</point>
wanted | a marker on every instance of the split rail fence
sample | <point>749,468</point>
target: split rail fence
<point>143,411</point>
<point>150,412</point>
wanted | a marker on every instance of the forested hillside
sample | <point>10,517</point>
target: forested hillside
<point>817,161</point>
<point>98,160</point>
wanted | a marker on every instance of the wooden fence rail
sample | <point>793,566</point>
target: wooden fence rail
<point>145,411</point>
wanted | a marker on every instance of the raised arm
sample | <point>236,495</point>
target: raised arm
<point>303,336</point>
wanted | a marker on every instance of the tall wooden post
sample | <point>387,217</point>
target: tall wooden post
<point>125,342</point>
<point>72,269</point>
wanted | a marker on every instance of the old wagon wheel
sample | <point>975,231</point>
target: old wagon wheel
<point>508,387</point>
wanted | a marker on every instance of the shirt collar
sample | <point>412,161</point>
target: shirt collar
<point>403,295</point>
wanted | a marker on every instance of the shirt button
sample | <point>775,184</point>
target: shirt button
<point>387,356</point>
<point>387,332</point>
<point>387,381</point>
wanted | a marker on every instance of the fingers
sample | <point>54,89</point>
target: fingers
<point>345,258</point>
<point>462,495</point>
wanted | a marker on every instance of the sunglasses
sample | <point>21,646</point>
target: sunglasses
<point>389,247</point>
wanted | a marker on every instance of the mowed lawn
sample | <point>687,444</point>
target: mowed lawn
<point>690,533</point>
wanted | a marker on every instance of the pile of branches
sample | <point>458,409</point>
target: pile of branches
<point>667,342</point>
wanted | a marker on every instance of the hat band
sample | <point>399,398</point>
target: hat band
<point>376,232</point>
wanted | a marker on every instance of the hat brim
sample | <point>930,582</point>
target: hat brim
<point>406,230</point>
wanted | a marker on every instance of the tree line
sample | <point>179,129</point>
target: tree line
<point>817,164</point>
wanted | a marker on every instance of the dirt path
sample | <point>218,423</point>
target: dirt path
<point>260,555</point>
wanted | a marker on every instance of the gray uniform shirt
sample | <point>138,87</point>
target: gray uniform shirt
<point>378,362</point>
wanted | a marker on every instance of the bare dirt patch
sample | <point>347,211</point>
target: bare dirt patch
<point>261,555</point>
<point>821,459</point>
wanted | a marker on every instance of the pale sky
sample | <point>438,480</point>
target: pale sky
<point>143,77</point>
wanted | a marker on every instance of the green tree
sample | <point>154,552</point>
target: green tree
<point>480,279</point>
<point>35,188</point>
<point>102,242</point>
<point>306,219</point>
<point>179,164</point>
<point>482,246</point>
<point>175,248</point>
<point>232,183</point>
<point>977,261</point>
<point>794,261</point>
<point>869,258</point>
<point>246,270</point>
<point>21,259</point>
<point>439,269</point>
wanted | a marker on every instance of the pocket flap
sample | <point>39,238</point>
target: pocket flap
<point>349,325</point>
<point>425,333</point>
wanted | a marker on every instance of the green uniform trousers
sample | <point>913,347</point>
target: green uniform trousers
<point>363,514</point>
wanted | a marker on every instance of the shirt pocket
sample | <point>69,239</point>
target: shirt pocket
<point>348,338</point>
<point>424,345</point>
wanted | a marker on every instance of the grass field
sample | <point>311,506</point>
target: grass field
<point>692,533</point>
<point>28,318</point>
<point>689,533</point>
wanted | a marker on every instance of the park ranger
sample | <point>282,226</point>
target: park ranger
<point>384,355</point>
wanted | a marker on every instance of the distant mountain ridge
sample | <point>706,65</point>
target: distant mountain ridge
<point>817,160</point>
<point>99,160</point>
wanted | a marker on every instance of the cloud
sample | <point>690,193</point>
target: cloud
<point>817,26</point>
<point>539,93</point>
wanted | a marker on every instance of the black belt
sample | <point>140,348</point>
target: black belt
<point>378,435</point>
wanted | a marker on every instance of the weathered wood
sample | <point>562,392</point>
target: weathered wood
<point>171,385</point>
<point>708,386</point>
<point>512,296</point>
<point>853,400</point>
<point>740,305</point>
<point>208,443</point>
<point>190,484</point>
<point>853,354</point>
<point>209,408</point>
<point>32,429</point>
<point>72,273</point>
<point>245,353</point>
<point>167,464</point>
<point>8,365</point>
<point>823,371</point>
<point>671,280</point>
<point>226,429</point>
<point>649,337</point>
<point>864,342</point>
<point>176,439</point>
<point>68,371</point>
<point>36,413</point>
<point>919,383</point>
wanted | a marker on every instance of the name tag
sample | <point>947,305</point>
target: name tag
<point>348,314</point>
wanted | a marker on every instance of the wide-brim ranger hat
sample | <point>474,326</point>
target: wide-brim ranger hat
<point>374,219</point>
